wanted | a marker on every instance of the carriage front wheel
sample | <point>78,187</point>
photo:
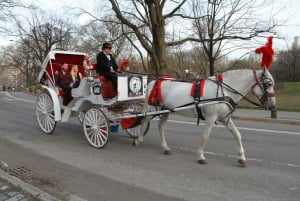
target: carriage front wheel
<point>135,132</point>
<point>96,127</point>
<point>45,113</point>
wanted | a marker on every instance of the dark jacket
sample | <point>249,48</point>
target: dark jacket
<point>63,80</point>
<point>76,82</point>
<point>104,64</point>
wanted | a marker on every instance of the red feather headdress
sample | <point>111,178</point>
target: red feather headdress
<point>267,52</point>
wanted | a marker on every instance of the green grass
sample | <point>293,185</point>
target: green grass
<point>287,97</point>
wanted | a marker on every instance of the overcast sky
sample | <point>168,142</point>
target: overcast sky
<point>290,12</point>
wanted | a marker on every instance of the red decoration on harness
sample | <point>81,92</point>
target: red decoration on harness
<point>201,88</point>
<point>219,77</point>
<point>155,96</point>
<point>267,52</point>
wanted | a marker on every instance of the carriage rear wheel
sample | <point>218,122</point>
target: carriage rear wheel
<point>96,127</point>
<point>136,131</point>
<point>45,113</point>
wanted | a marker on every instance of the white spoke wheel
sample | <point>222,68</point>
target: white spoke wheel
<point>136,131</point>
<point>96,128</point>
<point>45,113</point>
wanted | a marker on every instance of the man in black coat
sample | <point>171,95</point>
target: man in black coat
<point>106,64</point>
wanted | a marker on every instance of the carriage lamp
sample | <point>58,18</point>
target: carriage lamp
<point>96,89</point>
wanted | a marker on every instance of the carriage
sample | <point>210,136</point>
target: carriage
<point>99,108</point>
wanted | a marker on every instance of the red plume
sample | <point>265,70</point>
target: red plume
<point>267,52</point>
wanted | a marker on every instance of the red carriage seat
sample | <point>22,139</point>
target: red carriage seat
<point>107,88</point>
<point>106,85</point>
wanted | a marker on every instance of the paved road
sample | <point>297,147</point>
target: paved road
<point>65,166</point>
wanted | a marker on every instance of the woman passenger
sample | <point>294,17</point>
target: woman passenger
<point>76,76</point>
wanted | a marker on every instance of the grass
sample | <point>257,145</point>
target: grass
<point>287,97</point>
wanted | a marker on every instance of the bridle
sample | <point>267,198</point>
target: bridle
<point>264,83</point>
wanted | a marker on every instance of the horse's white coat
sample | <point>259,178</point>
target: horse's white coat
<point>176,94</point>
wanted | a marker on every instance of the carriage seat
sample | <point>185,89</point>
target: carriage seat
<point>82,90</point>
<point>107,88</point>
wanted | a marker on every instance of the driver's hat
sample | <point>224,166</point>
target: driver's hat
<point>106,45</point>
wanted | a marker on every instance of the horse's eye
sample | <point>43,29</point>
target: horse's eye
<point>268,83</point>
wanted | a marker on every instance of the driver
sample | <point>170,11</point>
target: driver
<point>106,64</point>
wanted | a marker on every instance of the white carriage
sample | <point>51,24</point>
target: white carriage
<point>98,107</point>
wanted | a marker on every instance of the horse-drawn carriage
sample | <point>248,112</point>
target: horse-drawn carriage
<point>98,107</point>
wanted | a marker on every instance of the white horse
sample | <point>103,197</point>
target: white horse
<point>217,103</point>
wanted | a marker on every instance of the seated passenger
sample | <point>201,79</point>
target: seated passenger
<point>63,79</point>
<point>76,76</point>
<point>106,64</point>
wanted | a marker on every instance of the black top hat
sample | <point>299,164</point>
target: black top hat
<point>106,45</point>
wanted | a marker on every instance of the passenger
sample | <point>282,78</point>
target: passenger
<point>106,65</point>
<point>63,79</point>
<point>76,76</point>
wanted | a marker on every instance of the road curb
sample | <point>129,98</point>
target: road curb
<point>28,188</point>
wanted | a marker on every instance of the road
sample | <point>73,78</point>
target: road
<point>64,165</point>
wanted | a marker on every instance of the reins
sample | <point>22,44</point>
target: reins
<point>236,92</point>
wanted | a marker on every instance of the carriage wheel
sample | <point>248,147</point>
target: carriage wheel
<point>96,127</point>
<point>45,113</point>
<point>80,117</point>
<point>136,131</point>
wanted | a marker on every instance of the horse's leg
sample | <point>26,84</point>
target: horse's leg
<point>161,126</point>
<point>205,137</point>
<point>231,126</point>
<point>140,139</point>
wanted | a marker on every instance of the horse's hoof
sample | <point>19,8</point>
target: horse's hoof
<point>134,143</point>
<point>202,161</point>
<point>167,152</point>
<point>242,163</point>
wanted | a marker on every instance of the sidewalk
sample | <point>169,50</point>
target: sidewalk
<point>14,189</point>
<point>265,115</point>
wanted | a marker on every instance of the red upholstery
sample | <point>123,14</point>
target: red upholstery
<point>107,88</point>
<point>61,92</point>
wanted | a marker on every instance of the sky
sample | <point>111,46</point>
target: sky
<point>289,11</point>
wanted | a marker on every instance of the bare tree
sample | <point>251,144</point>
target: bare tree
<point>42,33</point>
<point>94,34</point>
<point>219,22</point>
<point>286,68</point>
<point>38,34</point>
<point>147,19</point>
<point>6,13</point>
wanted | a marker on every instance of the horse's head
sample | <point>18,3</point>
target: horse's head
<point>263,89</point>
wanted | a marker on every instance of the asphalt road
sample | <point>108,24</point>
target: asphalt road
<point>64,165</point>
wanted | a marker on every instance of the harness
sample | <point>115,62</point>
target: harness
<point>197,92</point>
<point>220,95</point>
